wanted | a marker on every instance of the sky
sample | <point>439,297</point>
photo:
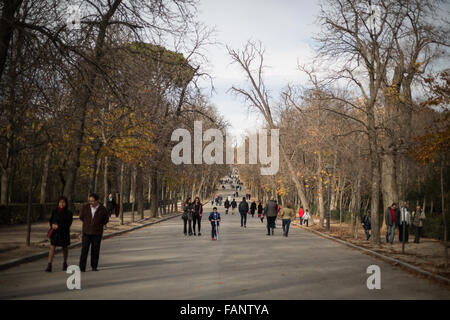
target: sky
<point>285,29</point>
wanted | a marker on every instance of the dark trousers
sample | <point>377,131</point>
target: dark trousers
<point>301,221</point>
<point>213,230</point>
<point>185,221</point>
<point>196,219</point>
<point>418,231</point>
<point>306,221</point>
<point>243,219</point>
<point>87,241</point>
<point>367,233</point>
<point>400,232</point>
<point>286,224</point>
<point>270,224</point>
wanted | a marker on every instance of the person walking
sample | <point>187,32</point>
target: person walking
<point>226,205</point>
<point>404,222</point>
<point>367,225</point>
<point>253,208</point>
<point>260,211</point>
<point>60,222</point>
<point>270,211</point>
<point>187,216</point>
<point>94,216</point>
<point>212,201</point>
<point>418,216</point>
<point>197,215</point>
<point>391,218</point>
<point>306,217</point>
<point>214,218</point>
<point>301,212</point>
<point>286,215</point>
<point>110,204</point>
<point>233,206</point>
<point>243,210</point>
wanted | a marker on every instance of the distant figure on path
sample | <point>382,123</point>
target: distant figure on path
<point>243,210</point>
<point>94,216</point>
<point>226,205</point>
<point>418,217</point>
<point>233,206</point>
<point>260,211</point>
<point>110,204</point>
<point>286,215</point>
<point>404,222</point>
<point>187,216</point>
<point>270,211</point>
<point>60,222</point>
<point>253,208</point>
<point>366,223</point>
<point>301,212</point>
<point>306,217</point>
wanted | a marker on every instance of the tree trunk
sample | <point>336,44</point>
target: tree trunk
<point>29,203</point>
<point>443,215</point>
<point>320,188</point>
<point>105,180</point>
<point>44,177</point>
<point>139,191</point>
<point>122,169</point>
<point>155,195</point>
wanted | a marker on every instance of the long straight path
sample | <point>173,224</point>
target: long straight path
<point>160,262</point>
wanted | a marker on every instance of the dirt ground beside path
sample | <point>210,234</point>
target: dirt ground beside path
<point>13,238</point>
<point>427,255</point>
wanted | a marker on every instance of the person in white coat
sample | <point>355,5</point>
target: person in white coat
<point>306,217</point>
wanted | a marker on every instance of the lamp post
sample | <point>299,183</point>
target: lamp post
<point>329,170</point>
<point>96,145</point>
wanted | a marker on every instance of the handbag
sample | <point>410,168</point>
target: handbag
<point>50,232</point>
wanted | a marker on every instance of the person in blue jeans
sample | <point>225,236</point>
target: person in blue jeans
<point>243,210</point>
<point>286,215</point>
<point>214,218</point>
<point>392,217</point>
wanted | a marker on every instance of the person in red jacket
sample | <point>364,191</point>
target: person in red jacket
<point>301,212</point>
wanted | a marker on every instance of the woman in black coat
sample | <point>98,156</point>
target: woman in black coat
<point>60,222</point>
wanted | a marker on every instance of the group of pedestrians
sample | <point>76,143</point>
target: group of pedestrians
<point>401,218</point>
<point>192,216</point>
<point>94,217</point>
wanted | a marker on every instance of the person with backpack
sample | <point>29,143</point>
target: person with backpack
<point>243,210</point>
<point>233,206</point>
<point>214,218</point>
<point>366,223</point>
<point>286,215</point>
<point>226,205</point>
<point>253,208</point>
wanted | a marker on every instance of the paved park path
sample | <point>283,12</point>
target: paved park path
<point>160,262</point>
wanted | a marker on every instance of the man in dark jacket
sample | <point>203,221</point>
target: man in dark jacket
<point>94,216</point>
<point>233,206</point>
<point>391,217</point>
<point>270,211</point>
<point>367,224</point>
<point>243,210</point>
<point>253,208</point>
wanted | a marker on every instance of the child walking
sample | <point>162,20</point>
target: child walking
<point>214,217</point>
